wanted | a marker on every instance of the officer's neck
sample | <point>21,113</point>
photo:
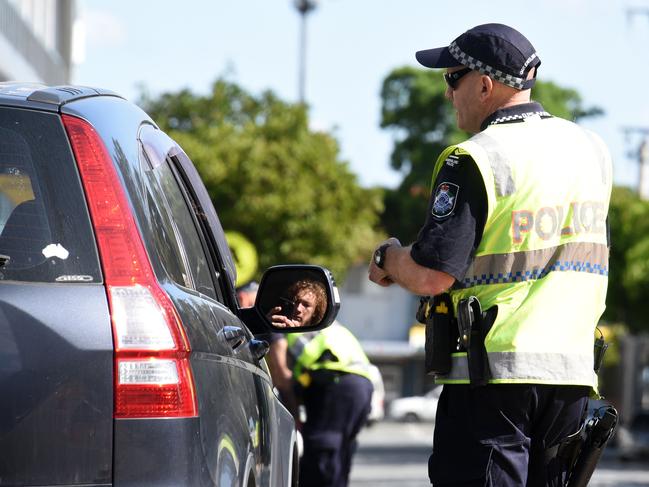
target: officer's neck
<point>516,98</point>
<point>506,99</point>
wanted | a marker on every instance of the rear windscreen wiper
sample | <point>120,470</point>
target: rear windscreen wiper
<point>4,259</point>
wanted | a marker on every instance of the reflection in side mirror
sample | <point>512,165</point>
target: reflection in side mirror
<point>294,298</point>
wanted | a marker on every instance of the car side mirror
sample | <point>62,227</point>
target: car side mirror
<point>293,298</point>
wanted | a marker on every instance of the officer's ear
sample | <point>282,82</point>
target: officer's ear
<point>486,87</point>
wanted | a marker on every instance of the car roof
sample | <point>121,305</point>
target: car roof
<point>36,95</point>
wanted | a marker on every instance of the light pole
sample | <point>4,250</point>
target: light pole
<point>641,154</point>
<point>303,7</point>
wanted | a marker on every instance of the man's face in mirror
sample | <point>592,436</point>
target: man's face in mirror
<point>305,305</point>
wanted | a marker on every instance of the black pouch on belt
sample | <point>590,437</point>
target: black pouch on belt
<point>473,326</point>
<point>600,349</point>
<point>441,334</point>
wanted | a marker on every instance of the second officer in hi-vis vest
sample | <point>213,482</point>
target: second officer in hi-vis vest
<point>514,250</point>
<point>328,372</point>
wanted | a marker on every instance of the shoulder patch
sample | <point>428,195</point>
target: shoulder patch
<point>445,199</point>
<point>455,157</point>
<point>452,160</point>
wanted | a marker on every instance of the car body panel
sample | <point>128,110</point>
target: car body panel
<point>56,363</point>
<point>56,346</point>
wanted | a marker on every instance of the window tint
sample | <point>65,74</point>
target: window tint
<point>45,230</point>
<point>179,243</point>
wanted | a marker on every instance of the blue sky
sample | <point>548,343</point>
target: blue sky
<point>593,46</point>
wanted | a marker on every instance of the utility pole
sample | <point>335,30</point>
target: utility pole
<point>303,7</point>
<point>641,154</point>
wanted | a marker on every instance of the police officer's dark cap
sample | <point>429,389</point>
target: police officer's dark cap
<point>497,50</point>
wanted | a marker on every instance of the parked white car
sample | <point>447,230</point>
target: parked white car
<point>378,396</point>
<point>416,408</point>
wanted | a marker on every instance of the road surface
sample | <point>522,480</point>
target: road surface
<point>396,454</point>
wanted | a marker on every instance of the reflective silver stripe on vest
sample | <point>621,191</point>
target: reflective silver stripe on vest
<point>301,341</point>
<point>459,367</point>
<point>531,367</point>
<point>500,168</point>
<point>535,264</point>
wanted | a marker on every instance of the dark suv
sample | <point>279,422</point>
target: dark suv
<point>124,357</point>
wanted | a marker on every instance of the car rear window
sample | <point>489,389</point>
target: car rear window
<point>45,231</point>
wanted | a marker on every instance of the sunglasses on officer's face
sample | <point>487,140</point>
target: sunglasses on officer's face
<point>453,78</point>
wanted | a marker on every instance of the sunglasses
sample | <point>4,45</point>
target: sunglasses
<point>452,79</point>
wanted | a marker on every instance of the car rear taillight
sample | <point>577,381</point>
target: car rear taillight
<point>152,372</point>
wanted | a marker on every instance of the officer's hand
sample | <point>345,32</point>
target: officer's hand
<point>378,275</point>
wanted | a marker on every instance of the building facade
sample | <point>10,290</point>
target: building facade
<point>383,319</point>
<point>36,40</point>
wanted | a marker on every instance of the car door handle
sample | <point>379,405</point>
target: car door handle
<point>258,348</point>
<point>234,335</point>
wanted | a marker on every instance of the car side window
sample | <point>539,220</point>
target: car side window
<point>177,236</point>
<point>209,234</point>
<point>165,237</point>
<point>184,225</point>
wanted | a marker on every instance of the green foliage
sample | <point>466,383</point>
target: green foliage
<point>628,289</point>
<point>612,335</point>
<point>562,102</point>
<point>423,122</point>
<point>609,375</point>
<point>415,110</point>
<point>270,177</point>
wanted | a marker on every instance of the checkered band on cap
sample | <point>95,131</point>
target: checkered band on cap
<point>477,65</point>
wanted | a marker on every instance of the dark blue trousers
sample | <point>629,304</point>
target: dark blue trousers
<point>497,435</point>
<point>336,410</point>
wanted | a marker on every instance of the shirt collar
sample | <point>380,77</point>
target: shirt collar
<point>515,113</point>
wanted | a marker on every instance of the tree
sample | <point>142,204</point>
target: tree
<point>271,178</point>
<point>628,290</point>
<point>415,110</point>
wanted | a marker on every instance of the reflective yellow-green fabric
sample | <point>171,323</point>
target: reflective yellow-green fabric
<point>543,257</point>
<point>347,355</point>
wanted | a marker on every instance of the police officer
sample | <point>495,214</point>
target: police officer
<point>517,218</point>
<point>247,293</point>
<point>328,372</point>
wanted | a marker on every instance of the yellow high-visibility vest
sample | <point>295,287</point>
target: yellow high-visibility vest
<point>347,355</point>
<point>543,257</point>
